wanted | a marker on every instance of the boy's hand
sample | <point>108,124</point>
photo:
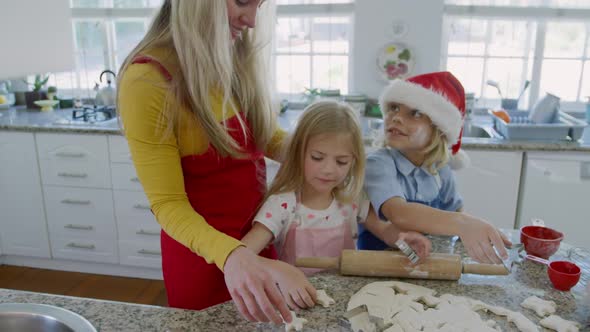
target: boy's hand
<point>480,238</point>
<point>418,242</point>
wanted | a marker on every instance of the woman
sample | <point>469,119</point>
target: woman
<point>195,110</point>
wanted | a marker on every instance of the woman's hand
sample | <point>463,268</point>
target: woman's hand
<point>251,282</point>
<point>296,289</point>
<point>480,238</point>
<point>418,242</point>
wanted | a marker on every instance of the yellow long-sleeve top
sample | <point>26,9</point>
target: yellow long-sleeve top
<point>142,94</point>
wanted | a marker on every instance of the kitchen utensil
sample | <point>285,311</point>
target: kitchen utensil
<point>395,264</point>
<point>513,255</point>
<point>526,85</point>
<point>408,251</point>
<point>495,85</point>
<point>509,103</point>
<point>540,241</point>
<point>106,96</point>
<point>563,274</point>
<point>41,317</point>
<point>545,109</point>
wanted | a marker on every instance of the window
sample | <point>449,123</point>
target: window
<point>311,48</point>
<point>312,45</point>
<point>104,33</point>
<point>546,42</point>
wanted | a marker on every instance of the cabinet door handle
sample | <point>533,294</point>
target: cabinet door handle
<point>141,207</point>
<point>72,175</point>
<point>135,179</point>
<point>75,201</point>
<point>144,232</point>
<point>81,246</point>
<point>70,154</point>
<point>149,252</point>
<point>79,227</point>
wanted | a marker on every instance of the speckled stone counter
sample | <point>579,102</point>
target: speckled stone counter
<point>59,121</point>
<point>526,279</point>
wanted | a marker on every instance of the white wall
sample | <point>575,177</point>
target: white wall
<point>372,26</point>
<point>38,35</point>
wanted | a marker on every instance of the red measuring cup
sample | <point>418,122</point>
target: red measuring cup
<point>563,274</point>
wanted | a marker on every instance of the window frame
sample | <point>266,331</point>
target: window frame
<point>312,11</point>
<point>108,16</point>
<point>539,15</point>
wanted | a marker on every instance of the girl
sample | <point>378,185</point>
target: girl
<point>409,181</point>
<point>194,103</point>
<point>311,207</point>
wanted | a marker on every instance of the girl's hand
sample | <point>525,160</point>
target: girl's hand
<point>480,238</point>
<point>253,287</point>
<point>296,289</point>
<point>418,242</point>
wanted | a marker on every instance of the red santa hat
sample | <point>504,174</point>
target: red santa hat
<point>439,95</point>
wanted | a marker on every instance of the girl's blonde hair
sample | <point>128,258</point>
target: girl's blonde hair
<point>198,34</point>
<point>324,117</point>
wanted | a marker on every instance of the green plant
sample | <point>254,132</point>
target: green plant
<point>52,89</point>
<point>39,82</point>
<point>311,92</point>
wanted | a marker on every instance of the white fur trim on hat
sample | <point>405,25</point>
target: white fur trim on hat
<point>444,114</point>
<point>459,160</point>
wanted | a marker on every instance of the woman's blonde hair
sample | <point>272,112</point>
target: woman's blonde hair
<point>198,34</point>
<point>324,117</point>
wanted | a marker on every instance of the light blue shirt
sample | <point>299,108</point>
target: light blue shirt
<point>390,174</point>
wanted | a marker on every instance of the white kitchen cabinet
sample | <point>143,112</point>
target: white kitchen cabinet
<point>556,188</point>
<point>138,230</point>
<point>74,160</point>
<point>23,229</point>
<point>80,212</point>
<point>489,187</point>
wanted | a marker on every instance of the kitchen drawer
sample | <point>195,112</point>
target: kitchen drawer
<point>135,221</point>
<point>74,160</point>
<point>124,177</point>
<point>84,249</point>
<point>119,150</point>
<point>140,253</point>
<point>80,212</point>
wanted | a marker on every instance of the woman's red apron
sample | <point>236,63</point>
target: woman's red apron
<point>226,192</point>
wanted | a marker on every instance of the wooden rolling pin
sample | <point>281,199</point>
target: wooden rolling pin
<point>395,264</point>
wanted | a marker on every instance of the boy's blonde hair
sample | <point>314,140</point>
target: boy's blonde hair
<point>437,152</point>
<point>324,117</point>
<point>198,34</point>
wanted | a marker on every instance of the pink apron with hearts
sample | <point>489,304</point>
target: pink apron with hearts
<point>316,241</point>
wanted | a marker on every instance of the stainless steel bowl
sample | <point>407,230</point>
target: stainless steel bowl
<point>32,317</point>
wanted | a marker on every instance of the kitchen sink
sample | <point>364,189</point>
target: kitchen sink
<point>471,130</point>
<point>32,317</point>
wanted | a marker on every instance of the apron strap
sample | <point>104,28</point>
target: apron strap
<point>147,59</point>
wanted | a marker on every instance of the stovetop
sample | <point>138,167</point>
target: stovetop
<point>93,114</point>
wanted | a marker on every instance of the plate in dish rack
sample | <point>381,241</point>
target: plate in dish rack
<point>395,60</point>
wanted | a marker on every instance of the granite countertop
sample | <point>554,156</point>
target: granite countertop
<point>59,121</point>
<point>527,278</point>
